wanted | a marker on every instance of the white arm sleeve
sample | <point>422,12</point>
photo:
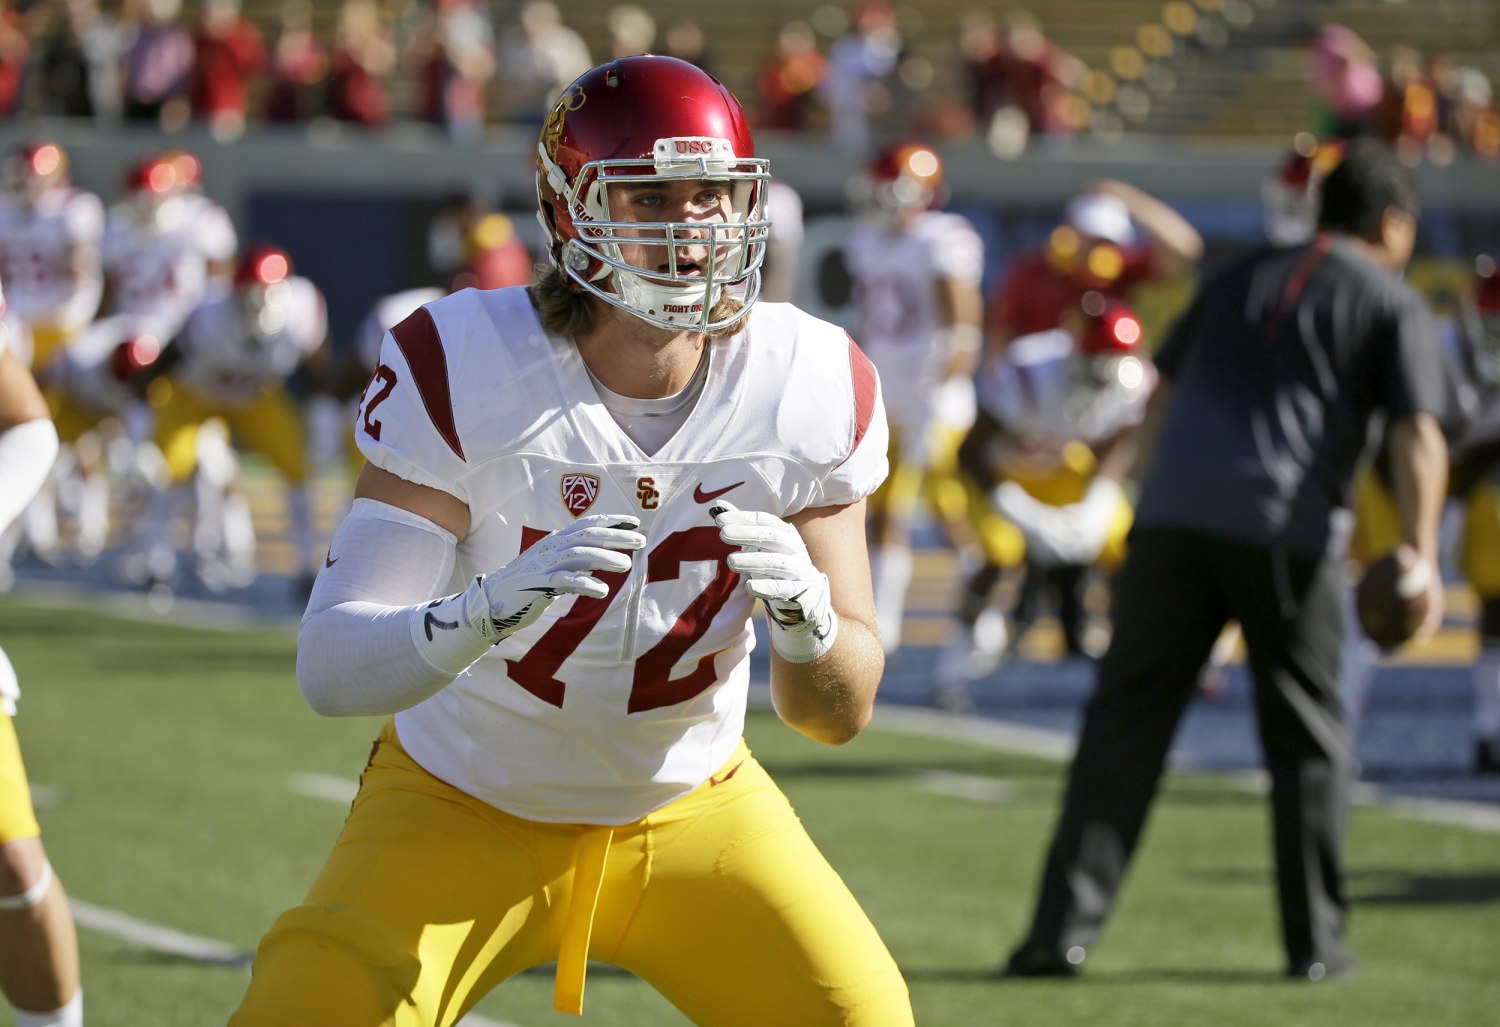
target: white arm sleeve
<point>26,455</point>
<point>373,640</point>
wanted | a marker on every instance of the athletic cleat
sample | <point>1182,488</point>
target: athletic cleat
<point>1039,961</point>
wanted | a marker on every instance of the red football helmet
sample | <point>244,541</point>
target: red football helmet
<point>652,119</point>
<point>1290,196</point>
<point>134,355</point>
<point>154,182</point>
<point>35,168</point>
<point>1111,342</point>
<point>1481,315</point>
<point>261,290</point>
<point>904,176</point>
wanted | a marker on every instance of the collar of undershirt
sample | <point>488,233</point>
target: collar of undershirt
<point>663,406</point>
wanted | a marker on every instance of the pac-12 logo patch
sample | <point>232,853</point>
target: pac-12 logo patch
<point>579,492</point>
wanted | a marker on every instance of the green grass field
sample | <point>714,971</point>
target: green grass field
<point>164,761</point>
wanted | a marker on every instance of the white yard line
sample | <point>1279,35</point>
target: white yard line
<point>323,786</point>
<point>191,946</point>
<point>155,936</point>
<point>971,787</point>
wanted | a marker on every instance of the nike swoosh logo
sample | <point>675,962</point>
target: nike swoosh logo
<point>732,770</point>
<point>330,559</point>
<point>699,496</point>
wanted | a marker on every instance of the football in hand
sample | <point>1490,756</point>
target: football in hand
<point>1391,598</point>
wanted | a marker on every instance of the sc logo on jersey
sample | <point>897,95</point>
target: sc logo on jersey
<point>647,492</point>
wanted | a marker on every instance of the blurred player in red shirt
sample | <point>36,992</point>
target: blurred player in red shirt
<point>1112,238</point>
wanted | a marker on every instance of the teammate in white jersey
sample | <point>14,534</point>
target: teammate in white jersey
<point>916,273</point>
<point>1058,414</point>
<point>49,251</point>
<point>576,494</point>
<point>230,363</point>
<point>49,260</point>
<point>165,242</point>
<point>38,944</point>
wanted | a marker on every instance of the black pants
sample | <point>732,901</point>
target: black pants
<point>1174,594</point>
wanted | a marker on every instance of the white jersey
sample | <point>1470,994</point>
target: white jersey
<point>162,272</point>
<point>1033,389</point>
<point>387,313</point>
<point>36,256</point>
<point>896,276</point>
<point>224,363</point>
<point>605,710</point>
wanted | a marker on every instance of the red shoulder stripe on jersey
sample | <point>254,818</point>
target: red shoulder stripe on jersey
<point>863,373</point>
<point>423,349</point>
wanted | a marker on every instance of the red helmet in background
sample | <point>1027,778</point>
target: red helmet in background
<point>1481,316</point>
<point>1290,196</point>
<point>156,180</point>
<point>35,168</point>
<point>652,119</point>
<point>261,284</point>
<point>133,356</point>
<point>905,176</point>
<point>1110,329</point>
<point>1111,345</point>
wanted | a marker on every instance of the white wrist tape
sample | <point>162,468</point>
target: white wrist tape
<point>27,451</point>
<point>804,641</point>
<point>31,896</point>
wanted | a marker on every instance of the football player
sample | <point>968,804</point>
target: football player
<point>49,261</point>
<point>1058,416</point>
<point>916,274</point>
<point>576,495</point>
<point>38,943</point>
<point>230,362</point>
<point>165,241</point>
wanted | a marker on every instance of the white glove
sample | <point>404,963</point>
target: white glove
<point>499,604</point>
<point>564,561</point>
<point>773,558</point>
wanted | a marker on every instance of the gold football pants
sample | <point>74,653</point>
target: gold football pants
<point>17,817</point>
<point>431,897</point>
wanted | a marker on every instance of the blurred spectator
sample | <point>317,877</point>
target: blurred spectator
<point>14,50</point>
<point>632,30</point>
<point>1408,113</point>
<point>61,85</point>
<point>105,36</point>
<point>455,58</point>
<point>299,64</point>
<point>538,58</point>
<point>861,67</point>
<point>1466,112</point>
<point>231,53</point>
<point>1019,82</point>
<point>788,83</point>
<point>685,41</point>
<point>363,55</point>
<point>1346,83</point>
<point>159,66</point>
<point>1036,76</point>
